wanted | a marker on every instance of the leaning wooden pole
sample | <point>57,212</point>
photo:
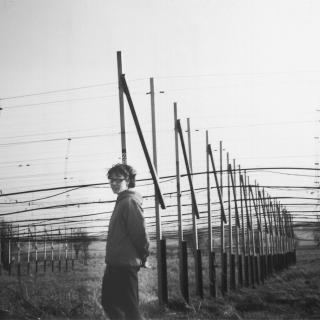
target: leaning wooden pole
<point>143,143</point>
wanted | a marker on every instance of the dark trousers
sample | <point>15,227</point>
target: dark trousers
<point>120,298</point>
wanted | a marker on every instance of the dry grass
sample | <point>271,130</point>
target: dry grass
<point>292,294</point>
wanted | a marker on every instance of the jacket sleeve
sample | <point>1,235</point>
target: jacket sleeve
<point>136,229</point>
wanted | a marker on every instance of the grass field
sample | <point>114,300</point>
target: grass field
<point>291,294</point>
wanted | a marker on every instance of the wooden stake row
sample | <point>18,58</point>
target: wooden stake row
<point>22,250</point>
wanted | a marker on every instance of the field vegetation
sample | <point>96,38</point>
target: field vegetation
<point>291,294</point>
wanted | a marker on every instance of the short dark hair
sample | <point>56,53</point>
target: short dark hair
<point>127,171</point>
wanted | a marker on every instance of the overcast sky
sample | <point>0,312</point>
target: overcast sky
<point>247,71</point>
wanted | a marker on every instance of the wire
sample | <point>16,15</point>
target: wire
<point>58,101</point>
<point>58,90</point>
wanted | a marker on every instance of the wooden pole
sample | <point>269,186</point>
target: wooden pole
<point>52,256</point>
<point>247,267</point>
<point>223,220</point>
<point>45,250</point>
<point>224,258</point>
<point>261,238</point>
<point>211,253</point>
<point>265,245</point>
<point>59,249</point>
<point>161,252</point>
<point>180,225</point>
<point>9,248</point>
<point>184,286</point>
<point>275,238</point>
<point>1,235</point>
<point>66,247</point>
<point>267,232</point>
<point>242,230</point>
<point>231,253</point>
<point>235,257</point>
<point>36,247</point>
<point>196,250</point>
<point>122,114</point>
<point>272,238</point>
<point>252,239</point>
<point>29,248</point>
<point>71,249</point>
<point>19,252</point>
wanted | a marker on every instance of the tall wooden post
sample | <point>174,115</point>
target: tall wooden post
<point>66,248</point>
<point>293,240</point>
<point>286,237</point>
<point>211,253</point>
<point>231,253</point>
<point>235,256</point>
<point>272,238</point>
<point>223,220</point>
<point>45,250</point>
<point>19,253</point>
<point>258,236</point>
<point>196,250</point>
<point>52,257</point>
<point>59,249</point>
<point>243,235</point>
<point>275,238</point>
<point>0,250</point>
<point>36,247</point>
<point>9,249</point>
<point>183,256</point>
<point>247,267</point>
<point>122,114</point>
<point>237,223</point>
<point>29,248</point>
<point>161,243</point>
<point>224,261</point>
<point>265,245</point>
<point>252,239</point>
<point>71,249</point>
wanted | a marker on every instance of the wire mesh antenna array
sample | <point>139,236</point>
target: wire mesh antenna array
<point>255,241</point>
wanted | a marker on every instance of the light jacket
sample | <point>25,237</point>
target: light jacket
<point>127,241</point>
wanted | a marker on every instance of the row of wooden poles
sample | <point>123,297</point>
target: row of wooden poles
<point>57,250</point>
<point>256,232</point>
<point>256,239</point>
